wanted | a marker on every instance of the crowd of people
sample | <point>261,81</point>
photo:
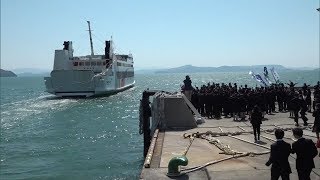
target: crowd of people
<point>214,100</point>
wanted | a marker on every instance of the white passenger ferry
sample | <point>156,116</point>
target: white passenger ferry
<point>90,75</point>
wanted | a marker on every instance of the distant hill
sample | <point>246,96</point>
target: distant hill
<point>146,71</point>
<point>194,69</point>
<point>31,72</point>
<point>28,74</point>
<point>4,73</point>
<point>302,68</point>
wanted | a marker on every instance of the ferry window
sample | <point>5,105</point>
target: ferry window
<point>119,64</point>
<point>87,63</point>
<point>75,63</point>
<point>98,63</point>
<point>80,63</point>
<point>93,63</point>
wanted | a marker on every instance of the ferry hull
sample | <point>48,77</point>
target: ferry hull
<point>84,84</point>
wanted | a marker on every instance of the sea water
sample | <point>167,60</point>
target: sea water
<point>43,137</point>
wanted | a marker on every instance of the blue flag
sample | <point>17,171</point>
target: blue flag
<point>258,78</point>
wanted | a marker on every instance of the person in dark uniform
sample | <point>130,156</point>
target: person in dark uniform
<point>308,99</point>
<point>291,85</point>
<point>306,151</point>
<point>304,108</point>
<point>201,102</point>
<point>295,107</point>
<point>280,151</point>
<point>256,121</point>
<point>195,98</point>
<point>305,88</point>
<point>187,88</point>
<point>316,96</point>
<point>316,124</point>
<point>208,106</point>
<point>280,99</point>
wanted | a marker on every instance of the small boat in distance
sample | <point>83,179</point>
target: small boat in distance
<point>90,75</point>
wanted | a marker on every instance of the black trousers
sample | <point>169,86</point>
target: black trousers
<point>256,130</point>
<point>296,116</point>
<point>275,174</point>
<point>303,116</point>
<point>280,104</point>
<point>304,174</point>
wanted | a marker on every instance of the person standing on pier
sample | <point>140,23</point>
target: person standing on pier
<point>305,88</point>
<point>280,151</point>
<point>291,85</point>
<point>295,106</point>
<point>187,88</point>
<point>308,100</point>
<point>256,121</point>
<point>316,96</point>
<point>306,151</point>
<point>316,124</point>
<point>304,109</point>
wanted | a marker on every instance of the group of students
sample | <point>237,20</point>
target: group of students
<point>214,100</point>
<point>305,150</point>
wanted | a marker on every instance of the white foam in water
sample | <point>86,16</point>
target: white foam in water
<point>132,89</point>
<point>30,107</point>
<point>45,96</point>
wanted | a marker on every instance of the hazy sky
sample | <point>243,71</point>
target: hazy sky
<point>166,33</point>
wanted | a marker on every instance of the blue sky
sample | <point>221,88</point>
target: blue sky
<point>166,33</point>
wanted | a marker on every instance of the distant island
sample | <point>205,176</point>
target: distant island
<point>195,69</point>
<point>4,73</point>
<point>31,72</point>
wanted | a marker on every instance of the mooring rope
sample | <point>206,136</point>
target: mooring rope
<point>226,149</point>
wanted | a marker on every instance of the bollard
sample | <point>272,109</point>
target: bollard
<point>174,163</point>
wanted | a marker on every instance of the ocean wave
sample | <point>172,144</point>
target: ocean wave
<point>23,109</point>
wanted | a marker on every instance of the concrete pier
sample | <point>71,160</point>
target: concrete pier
<point>171,143</point>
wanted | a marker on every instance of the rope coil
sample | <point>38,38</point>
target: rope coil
<point>226,149</point>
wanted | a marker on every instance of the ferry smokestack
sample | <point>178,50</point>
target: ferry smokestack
<point>107,50</point>
<point>66,45</point>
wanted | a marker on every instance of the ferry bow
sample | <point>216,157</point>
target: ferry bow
<point>89,75</point>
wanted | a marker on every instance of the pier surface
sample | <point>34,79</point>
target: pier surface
<point>171,143</point>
